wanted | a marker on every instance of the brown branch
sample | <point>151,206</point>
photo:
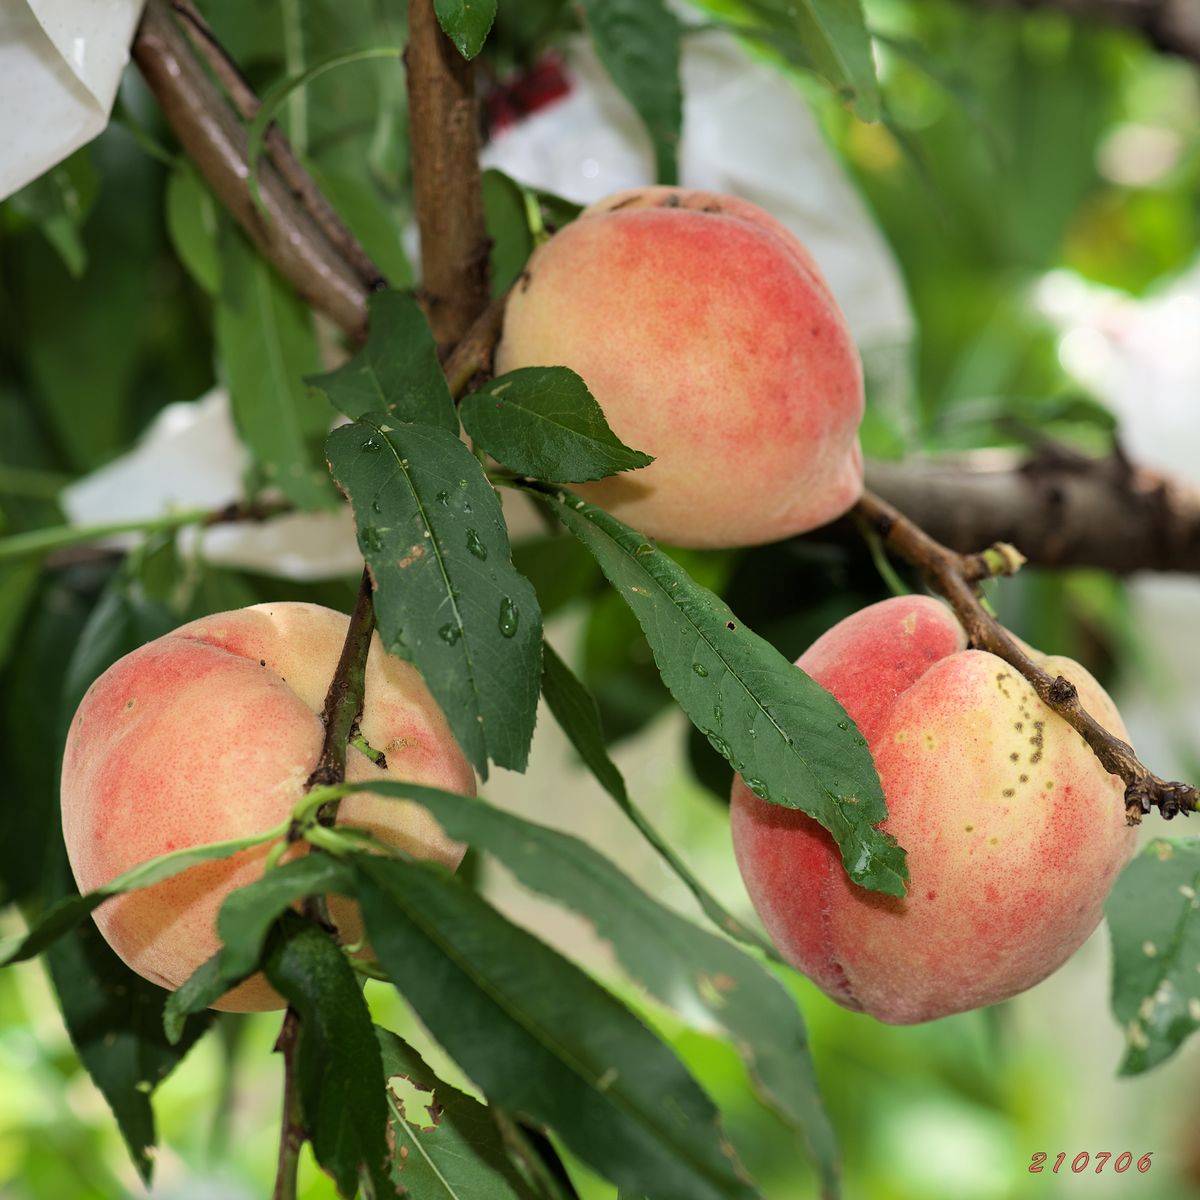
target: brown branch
<point>951,574</point>
<point>473,355</point>
<point>292,1131</point>
<point>344,699</point>
<point>447,196</point>
<point>247,103</point>
<point>1172,26</point>
<point>213,138</point>
<point>1063,509</point>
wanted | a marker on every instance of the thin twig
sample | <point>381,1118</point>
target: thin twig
<point>292,1131</point>
<point>955,576</point>
<point>473,355</point>
<point>247,103</point>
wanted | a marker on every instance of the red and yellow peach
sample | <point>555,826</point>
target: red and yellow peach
<point>1014,830</point>
<point>210,733</point>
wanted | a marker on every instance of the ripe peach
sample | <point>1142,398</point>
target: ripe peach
<point>1014,830</point>
<point>710,340</point>
<point>210,733</point>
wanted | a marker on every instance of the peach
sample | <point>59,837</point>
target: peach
<point>709,338</point>
<point>210,733</point>
<point>1014,830</point>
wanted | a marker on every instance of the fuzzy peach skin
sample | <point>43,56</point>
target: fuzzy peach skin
<point>210,733</point>
<point>1014,830</point>
<point>710,340</point>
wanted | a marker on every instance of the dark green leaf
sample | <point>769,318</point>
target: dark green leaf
<point>447,1144</point>
<point>507,217</point>
<point>267,344</point>
<point>69,912</point>
<point>244,920</point>
<point>448,598</point>
<point>574,708</point>
<point>1154,920</point>
<point>685,967</point>
<point>397,372</point>
<point>543,422</point>
<point>372,220</point>
<point>829,37</point>
<point>115,1021</point>
<point>543,1039</point>
<point>466,23</point>
<point>637,41</point>
<point>561,570</point>
<point>58,202</point>
<point>338,1065</point>
<point>790,739</point>
<point>193,226</point>
<point>18,586</point>
<point>200,990</point>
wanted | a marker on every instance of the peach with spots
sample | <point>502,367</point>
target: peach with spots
<point>210,733</point>
<point>709,338</point>
<point>1014,830</point>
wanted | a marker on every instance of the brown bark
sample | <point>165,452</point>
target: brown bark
<point>1058,508</point>
<point>215,141</point>
<point>443,131</point>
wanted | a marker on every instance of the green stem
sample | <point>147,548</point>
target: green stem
<point>41,541</point>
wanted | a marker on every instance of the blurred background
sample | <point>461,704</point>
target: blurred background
<point>1015,245</point>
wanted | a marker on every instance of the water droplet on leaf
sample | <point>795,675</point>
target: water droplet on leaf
<point>509,617</point>
<point>700,669</point>
<point>450,634</point>
<point>759,788</point>
<point>443,498</point>
<point>371,538</point>
<point>475,546</point>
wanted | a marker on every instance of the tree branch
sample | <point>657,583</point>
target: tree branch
<point>1061,508</point>
<point>952,575</point>
<point>1172,26</point>
<point>443,129</point>
<point>210,133</point>
<point>313,200</point>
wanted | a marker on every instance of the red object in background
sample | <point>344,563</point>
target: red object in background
<point>509,103</point>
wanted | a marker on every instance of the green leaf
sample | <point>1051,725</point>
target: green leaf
<point>397,372</point>
<point>683,966</point>
<point>543,422</point>
<point>505,209</point>
<point>59,202</point>
<point>637,41</point>
<point>114,1019</point>
<point>447,598</point>
<point>267,344</point>
<point>466,23</point>
<point>790,739</point>
<point>339,1070</point>
<point>828,37</point>
<point>18,586</point>
<point>279,91</point>
<point>543,1039</point>
<point>371,219</point>
<point>69,912</point>
<point>193,226</point>
<point>1154,920</point>
<point>447,1144</point>
<point>243,923</point>
<point>575,709</point>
